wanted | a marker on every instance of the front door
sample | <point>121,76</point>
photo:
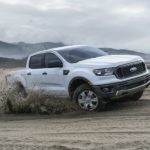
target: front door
<point>52,75</point>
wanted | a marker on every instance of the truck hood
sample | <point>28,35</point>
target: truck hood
<point>110,60</point>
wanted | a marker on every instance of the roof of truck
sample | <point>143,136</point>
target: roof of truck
<point>68,47</point>
<point>58,49</point>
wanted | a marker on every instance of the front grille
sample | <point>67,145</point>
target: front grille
<point>130,70</point>
<point>133,85</point>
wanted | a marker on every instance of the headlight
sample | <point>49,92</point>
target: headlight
<point>104,72</point>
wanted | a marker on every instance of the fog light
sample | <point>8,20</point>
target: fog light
<point>107,89</point>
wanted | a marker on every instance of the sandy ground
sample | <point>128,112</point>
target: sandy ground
<point>124,125</point>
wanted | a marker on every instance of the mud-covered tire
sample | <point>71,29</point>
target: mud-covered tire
<point>136,96</point>
<point>86,96</point>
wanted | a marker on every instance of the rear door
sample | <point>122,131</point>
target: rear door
<point>34,73</point>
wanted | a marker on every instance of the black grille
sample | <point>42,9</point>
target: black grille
<point>133,85</point>
<point>130,70</point>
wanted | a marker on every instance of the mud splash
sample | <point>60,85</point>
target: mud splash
<point>12,101</point>
<point>41,104</point>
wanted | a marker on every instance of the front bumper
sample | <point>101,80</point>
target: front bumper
<point>120,89</point>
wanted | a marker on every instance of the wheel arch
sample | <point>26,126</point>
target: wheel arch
<point>76,82</point>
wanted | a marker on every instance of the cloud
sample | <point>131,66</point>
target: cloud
<point>109,23</point>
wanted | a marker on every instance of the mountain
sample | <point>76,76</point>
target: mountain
<point>15,54</point>
<point>112,51</point>
<point>12,63</point>
<point>31,48</point>
<point>21,50</point>
<point>10,50</point>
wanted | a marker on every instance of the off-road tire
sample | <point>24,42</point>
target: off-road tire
<point>101,104</point>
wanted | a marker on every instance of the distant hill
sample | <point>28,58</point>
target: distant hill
<point>112,51</point>
<point>21,50</point>
<point>10,50</point>
<point>15,54</point>
<point>12,63</point>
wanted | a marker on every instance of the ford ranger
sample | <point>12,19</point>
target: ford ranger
<point>87,75</point>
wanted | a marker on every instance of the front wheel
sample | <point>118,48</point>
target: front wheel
<point>87,98</point>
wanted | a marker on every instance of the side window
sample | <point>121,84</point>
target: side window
<point>52,61</point>
<point>36,61</point>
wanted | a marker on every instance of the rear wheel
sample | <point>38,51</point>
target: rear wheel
<point>87,98</point>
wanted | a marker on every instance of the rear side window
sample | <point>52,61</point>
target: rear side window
<point>36,61</point>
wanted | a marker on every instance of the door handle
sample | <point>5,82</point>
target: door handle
<point>29,73</point>
<point>44,73</point>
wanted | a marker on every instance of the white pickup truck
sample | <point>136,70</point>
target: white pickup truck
<point>87,75</point>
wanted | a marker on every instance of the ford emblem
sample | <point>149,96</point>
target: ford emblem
<point>133,69</point>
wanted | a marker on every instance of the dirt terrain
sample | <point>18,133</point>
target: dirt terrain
<point>124,125</point>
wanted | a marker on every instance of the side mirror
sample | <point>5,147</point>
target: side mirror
<point>55,64</point>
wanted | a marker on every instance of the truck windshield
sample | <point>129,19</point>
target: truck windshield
<point>75,55</point>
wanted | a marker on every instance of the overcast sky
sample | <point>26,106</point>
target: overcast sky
<point>104,23</point>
